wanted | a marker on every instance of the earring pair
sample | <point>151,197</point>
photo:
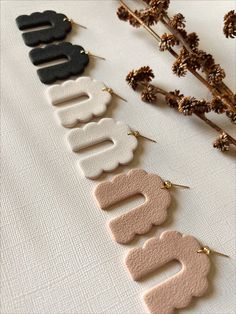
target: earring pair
<point>99,98</point>
<point>175,292</point>
<point>58,26</point>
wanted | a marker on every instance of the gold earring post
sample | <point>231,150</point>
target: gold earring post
<point>137,135</point>
<point>73,22</point>
<point>167,185</point>
<point>111,91</point>
<point>92,55</point>
<point>206,250</point>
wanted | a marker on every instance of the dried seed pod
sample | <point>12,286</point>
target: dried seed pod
<point>186,105</point>
<point>177,21</point>
<point>230,24</point>
<point>201,106</point>
<point>217,105</point>
<point>193,40</point>
<point>206,60</point>
<point>216,74</point>
<point>180,67</point>
<point>172,98</point>
<point>232,116</point>
<point>167,41</point>
<point>143,74</point>
<point>193,62</point>
<point>131,79</point>
<point>133,21</point>
<point>149,94</point>
<point>222,142</point>
<point>183,33</point>
<point>123,14</point>
<point>160,5</point>
<point>191,59</point>
<point>150,16</point>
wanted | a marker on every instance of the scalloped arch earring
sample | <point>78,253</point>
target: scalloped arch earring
<point>107,160</point>
<point>140,219</point>
<point>99,97</point>
<point>74,56</point>
<point>124,140</point>
<point>57,27</point>
<point>54,26</point>
<point>178,291</point>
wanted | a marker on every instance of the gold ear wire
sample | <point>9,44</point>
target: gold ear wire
<point>206,250</point>
<point>111,91</point>
<point>168,185</point>
<point>73,22</point>
<point>92,55</point>
<point>137,135</point>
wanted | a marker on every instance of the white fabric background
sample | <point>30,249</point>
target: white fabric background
<point>57,254</point>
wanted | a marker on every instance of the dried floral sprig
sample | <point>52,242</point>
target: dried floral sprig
<point>141,79</point>
<point>200,63</point>
<point>230,24</point>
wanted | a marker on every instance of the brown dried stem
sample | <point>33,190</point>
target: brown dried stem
<point>222,91</point>
<point>219,90</point>
<point>201,116</point>
<point>140,79</point>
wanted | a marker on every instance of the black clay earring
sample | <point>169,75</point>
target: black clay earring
<point>77,58</point>
<point>58,25</point>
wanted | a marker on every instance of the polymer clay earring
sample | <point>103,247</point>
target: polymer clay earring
<point>99,97</point>
<point>77,59</point>
<point>176,292</point>
<point>58,27</point>
<point>76,56</point>
<point>141,219</point>
<point>120,153</point>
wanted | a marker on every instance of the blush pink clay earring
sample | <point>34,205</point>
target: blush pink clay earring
<point>177,291</point>
<point>140,219</point>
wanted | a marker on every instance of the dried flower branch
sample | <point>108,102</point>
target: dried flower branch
<point>230,24</point>
<point>189,59</point>
<point>141,79</point>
